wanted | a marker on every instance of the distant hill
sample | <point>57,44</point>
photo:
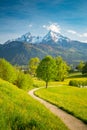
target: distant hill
<point>20,50</point>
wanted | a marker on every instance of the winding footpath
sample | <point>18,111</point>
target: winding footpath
<point>71,122</point>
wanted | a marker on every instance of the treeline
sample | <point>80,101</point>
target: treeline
<point>82,67</point>
<point>48,69</point>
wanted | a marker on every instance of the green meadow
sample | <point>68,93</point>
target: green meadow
<point>71,99</point>
<point>18,111</point>
<point>72,76</point>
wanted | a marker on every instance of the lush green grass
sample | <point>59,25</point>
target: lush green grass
<point>18,111</point>
<point>71,99</point>
<point>71,76</point>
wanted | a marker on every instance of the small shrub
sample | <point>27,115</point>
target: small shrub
<point>78,83</point>
<point>24,81</point>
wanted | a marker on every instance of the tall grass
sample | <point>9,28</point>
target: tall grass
<point>18,111</point>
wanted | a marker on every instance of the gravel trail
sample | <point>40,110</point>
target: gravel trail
<point>71,122</point>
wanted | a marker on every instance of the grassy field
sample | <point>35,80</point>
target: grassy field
<point>18,111</point>
<point>72,76</point>
<point>71,99</point>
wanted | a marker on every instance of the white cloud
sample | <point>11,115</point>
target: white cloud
<point>84,34</point>
<point>53,27</point>
<point>72,31</point>
<point>76,33</point>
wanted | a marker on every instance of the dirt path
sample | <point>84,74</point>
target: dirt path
<point>71,122</point>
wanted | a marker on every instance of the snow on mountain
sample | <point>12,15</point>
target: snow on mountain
<point>25,38</point>
<point>55,37</point>
<point>51,36</point>
<point>36,39</point>
<point>29,38</point>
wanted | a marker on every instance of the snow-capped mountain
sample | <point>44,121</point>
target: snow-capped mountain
<point>25,38</point>
<point>20,50</point>
<point>36,39</point>
<point>51,36</point>
<point>28,38</point>
<point>55,37</point>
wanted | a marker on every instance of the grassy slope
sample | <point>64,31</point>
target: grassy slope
<point>18,111</point>
<point>71,99</point>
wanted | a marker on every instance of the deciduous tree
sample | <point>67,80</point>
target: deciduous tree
<point>80,66</point>
<point>84,70</point>
<point>33,63</point>
<point>62,69</point>
<point>46,69</point>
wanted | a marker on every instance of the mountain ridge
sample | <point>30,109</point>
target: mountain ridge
<point>20,50</point>
<point>29,38</point>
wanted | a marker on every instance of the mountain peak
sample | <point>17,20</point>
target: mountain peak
<point>55,37</point>
<point>25,38</point>
<point>27,35</point>
<point>50,37</point>
<point>29,38</point>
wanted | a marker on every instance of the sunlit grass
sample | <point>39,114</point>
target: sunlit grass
<point>72,76</point>
<point>18,111</point>
<point>71,99</point>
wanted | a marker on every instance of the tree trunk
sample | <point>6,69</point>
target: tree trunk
<point>46,84</point>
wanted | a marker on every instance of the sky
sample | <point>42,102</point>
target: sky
<point>68,17</point>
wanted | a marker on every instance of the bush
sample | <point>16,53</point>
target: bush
<point>78,83</point>
<point>7,71</point>
<point>24,81</point>
<point>84,69</point>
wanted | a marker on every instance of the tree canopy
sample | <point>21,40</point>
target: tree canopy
<point>46,69</point>
<point>80,66</point>
<point>84,69</point>
<point>62,69</point>
<point>33,63</point>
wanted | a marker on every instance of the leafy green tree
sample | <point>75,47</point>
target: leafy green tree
<point>80,66</point>
<point>33,63</point>
<point>7,71</point>
<point>62,69</point>
<point>84,69</point>
<point>46,69</point>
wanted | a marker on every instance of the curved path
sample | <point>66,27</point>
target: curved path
<point>71,122</point>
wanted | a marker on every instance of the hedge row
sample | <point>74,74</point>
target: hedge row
<point>78,83</point>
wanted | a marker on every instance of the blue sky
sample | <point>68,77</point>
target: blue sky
<point>17,17</point>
